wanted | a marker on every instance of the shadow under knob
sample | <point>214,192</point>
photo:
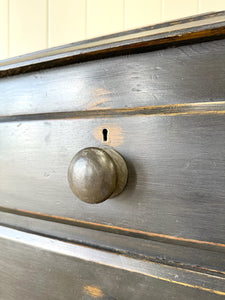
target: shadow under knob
<point>97,174</point>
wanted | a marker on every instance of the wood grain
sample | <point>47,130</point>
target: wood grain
<point>57,270</point>
<point>187,74</point>
<point>175,163</point>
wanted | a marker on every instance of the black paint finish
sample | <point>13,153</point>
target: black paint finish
<point>159,93</point>
<point>193,256</point>
<point>56,270</point>
<point>187,74</point>
<point>176,170</point>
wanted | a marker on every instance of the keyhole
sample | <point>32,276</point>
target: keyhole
<point>105,134</point>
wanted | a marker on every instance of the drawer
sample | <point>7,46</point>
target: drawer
<point>169,63</point>
<point>175,162</point>
<point>184,74</point>
<point>57,270</point>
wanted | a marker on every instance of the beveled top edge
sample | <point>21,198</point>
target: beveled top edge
<point>195,28</point>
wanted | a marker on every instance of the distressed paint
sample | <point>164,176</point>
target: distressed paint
<point>100,99</point>
<point>115,136</point>
<point>93,291</point>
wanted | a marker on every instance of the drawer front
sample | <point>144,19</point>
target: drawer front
<point>186,74</point>
<point>176,167</point>
<point>40,268</point>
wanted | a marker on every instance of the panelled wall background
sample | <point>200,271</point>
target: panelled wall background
<point>31,25</point>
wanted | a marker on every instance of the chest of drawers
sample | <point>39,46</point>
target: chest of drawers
<point>156,96</point>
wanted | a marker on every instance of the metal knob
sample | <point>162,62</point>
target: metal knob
<point>97,174</point>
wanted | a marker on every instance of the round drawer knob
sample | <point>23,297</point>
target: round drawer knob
<point>97,174</point>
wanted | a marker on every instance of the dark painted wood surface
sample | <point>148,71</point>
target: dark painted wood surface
<point>176,169</point>
<point>167,252</point>
<point>188,30</point>
<point>164,110</point>
<point>187,74</point>
<point>57,270</point>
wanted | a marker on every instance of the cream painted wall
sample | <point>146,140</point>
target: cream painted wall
<point>31,25</point>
